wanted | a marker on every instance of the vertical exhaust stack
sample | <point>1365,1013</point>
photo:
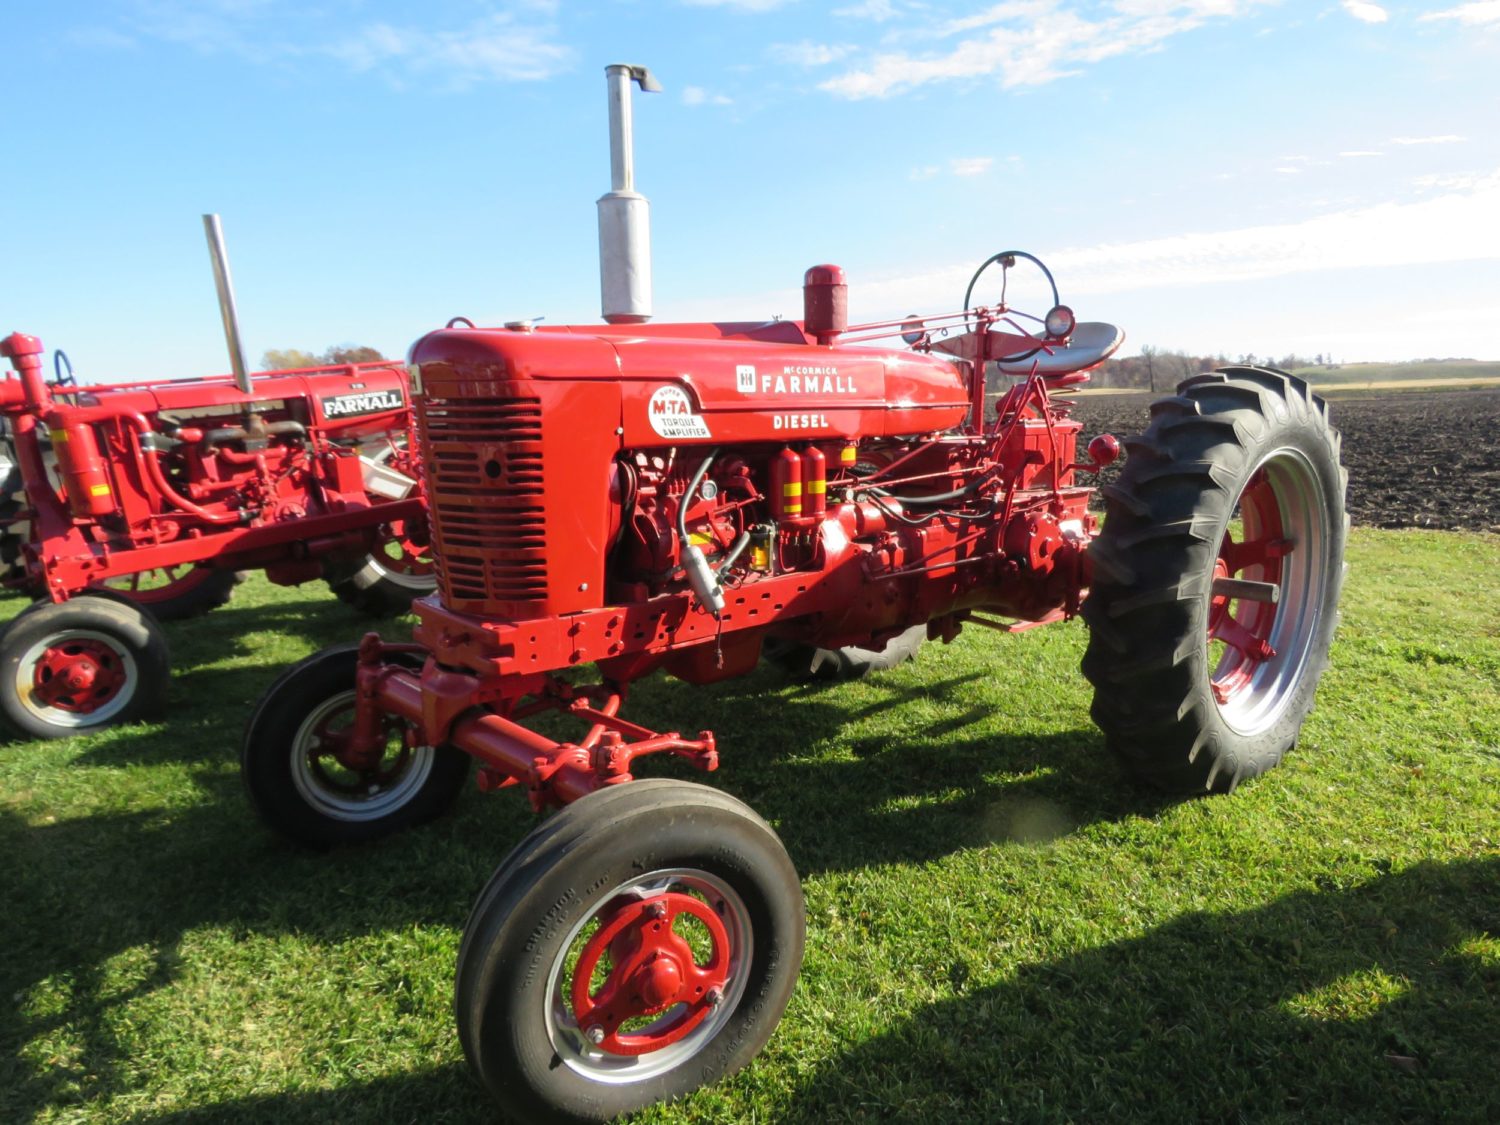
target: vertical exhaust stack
<point>225,285</point>
<point>624,214</point>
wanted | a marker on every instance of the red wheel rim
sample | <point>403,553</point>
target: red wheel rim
<point>653,972</point>
<point>650,975</point>
<point>406,552</point>
<point>175,581</point>
<point>79,675</point>
<point>1241,624</point>
<point>1266,606</point>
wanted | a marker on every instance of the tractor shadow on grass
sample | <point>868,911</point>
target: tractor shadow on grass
<point>1200,1019</point>
<point>89,895</point>
<point>954,775</point>
<point>1372,1001</point>
<point>189,859</point>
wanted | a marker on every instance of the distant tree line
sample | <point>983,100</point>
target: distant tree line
<point>285,359</point>
<point>1161,369</point>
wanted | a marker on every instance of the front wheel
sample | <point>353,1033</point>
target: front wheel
<point>303,780</point>
<point>387,580</point>
<point>640,944</point>
<point>1216,580</point>
<point>82,665</point>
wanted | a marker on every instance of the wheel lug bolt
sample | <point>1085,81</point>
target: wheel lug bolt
<point>595,1034</point>
<point>714,996</point>
<point>657,910</point>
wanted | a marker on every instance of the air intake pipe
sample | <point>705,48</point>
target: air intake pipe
<point>624,214</point>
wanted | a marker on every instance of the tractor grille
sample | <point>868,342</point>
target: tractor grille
<point>485,472</point>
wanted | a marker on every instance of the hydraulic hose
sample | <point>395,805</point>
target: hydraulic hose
<point>687,497</point>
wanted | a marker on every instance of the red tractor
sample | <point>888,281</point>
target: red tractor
<point>610,501</point>
<point>131,502</point>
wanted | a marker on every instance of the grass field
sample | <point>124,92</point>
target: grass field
<point>1002,926</point>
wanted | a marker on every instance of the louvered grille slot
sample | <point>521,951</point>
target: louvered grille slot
<point>486,472</point>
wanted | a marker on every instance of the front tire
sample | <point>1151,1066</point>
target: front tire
<point>80,666</point>
<point>1207,635</point>
<point>640,944</point>
<point>301,786</point>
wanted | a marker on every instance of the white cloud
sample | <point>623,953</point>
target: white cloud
<point>879,11</point>
<point>517,42</point>
<point>1454,227</point>
<point>1443,139</point>
<point>493,49</point>
<point>1366,12</point>
<point>1032,42</point>
<point>809,54</point>
<point>697,95</point>
<point>925,172</point>
<point>1359,152</point>
<point>1470,15</point>
<point>743,5</point>
<point>970,165</point>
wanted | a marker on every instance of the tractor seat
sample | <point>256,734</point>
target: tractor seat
<point>1092,342</point>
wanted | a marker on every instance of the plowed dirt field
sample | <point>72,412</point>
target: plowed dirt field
<point>1415,458</point>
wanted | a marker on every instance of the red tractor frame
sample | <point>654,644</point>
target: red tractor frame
<point>610,501</point>
<point>131,502</point>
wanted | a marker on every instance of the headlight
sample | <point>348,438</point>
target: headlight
<point>1060,322</point>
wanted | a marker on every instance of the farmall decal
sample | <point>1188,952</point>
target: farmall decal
<point>807,379</point>
<point>370,402</point>
<point>671,414</point>
<point>744,378</point>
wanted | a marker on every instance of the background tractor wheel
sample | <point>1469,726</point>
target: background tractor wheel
<point>82,665</point>
<point>178,592</point>
<point>387,580</point>
<point>640,944</point>
<point>808,662</point>
<point>14,533</point>
<point>1216,580</point>
<point>301,787</point>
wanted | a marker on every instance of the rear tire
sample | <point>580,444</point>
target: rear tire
<point>80,666</point>
<point>191,593</point>
<point>387,580</point>
<point>299,787</point>
<point>1200,680</point>
<point>657,860</point>
<point>808,662</point>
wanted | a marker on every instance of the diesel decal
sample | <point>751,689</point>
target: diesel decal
<point>799,422</point>
<point>370,402</point>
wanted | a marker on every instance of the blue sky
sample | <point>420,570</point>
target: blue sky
<point>1221,175</point>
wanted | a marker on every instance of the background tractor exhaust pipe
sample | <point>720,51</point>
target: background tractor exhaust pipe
<point>624,214</point>
<point>225,285</point>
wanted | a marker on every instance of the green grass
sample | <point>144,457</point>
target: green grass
<point>1002,926</point>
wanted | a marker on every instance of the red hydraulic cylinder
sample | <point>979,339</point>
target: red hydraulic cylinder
<point>84,473</point>
<point>786,485</point>
<point>814,482</point>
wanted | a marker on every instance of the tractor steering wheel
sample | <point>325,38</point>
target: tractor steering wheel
<point>62,369</point>
<point>1007,260</point>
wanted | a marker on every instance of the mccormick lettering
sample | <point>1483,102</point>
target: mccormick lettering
<point>371,402</point>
